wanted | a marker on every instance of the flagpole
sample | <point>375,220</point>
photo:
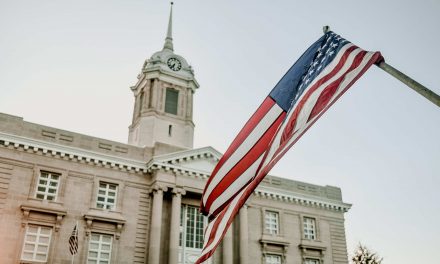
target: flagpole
<point>422,90</point>
<point>411,83</point>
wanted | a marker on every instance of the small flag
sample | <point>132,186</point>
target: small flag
<point>73,240</point>
<point>321,75</point>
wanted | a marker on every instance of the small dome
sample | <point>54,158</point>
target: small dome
<point>167,60</point>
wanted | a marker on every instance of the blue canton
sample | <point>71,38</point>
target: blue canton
<point>324,55</point>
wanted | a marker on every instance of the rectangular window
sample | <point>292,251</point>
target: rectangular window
<point>311,261</point>
<point>191,227</point>
<point>272,259</point>
<point>171,100</point>
<point>309,228</point>
<point>271,220</point>
<point>100,249</point>
<point>47,186</point>
<point>36,243</point>
<point>106,198</point>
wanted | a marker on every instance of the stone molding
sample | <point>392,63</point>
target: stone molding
<point>291,197</point>
<point>59,213</point>
<point>71,153</point>
<point>114,218</point>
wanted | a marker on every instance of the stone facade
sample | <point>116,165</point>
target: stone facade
<point>137,202</point>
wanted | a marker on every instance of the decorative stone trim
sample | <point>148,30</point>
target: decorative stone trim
<point>58,213</point>
<point>70,153</point>
<point>177,169</point>
<point>291,197</point>
<point>117,220</point>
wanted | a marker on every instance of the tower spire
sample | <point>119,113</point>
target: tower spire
<point>169,39</point>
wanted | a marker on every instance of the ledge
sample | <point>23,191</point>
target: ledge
<point>54,209</point>
<point>274,240</point>
<point>314,245</point>
<point>105,216</point>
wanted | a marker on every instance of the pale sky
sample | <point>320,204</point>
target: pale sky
<point>69,65</point>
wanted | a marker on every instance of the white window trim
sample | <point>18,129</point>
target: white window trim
<point>315,229</point>
<point>105,203</point>
<point>312,261</point>
<point>49,179</point>
<point>280,221</point>
<point>269,216</point>
<point>99,250</point>
<point>280,257</point>
<point>38,235</point>
<point>183,227</point>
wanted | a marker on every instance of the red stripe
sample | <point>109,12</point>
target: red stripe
<point>377,56</point>
<point>254,153</point>
<point>242,135</point>
<point>289,129</point>
<point>331,89</point>
<point>253,184</point>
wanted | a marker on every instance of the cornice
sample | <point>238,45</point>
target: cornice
<point>304,200</point>
<point>71,153</point>
<point>167,162</point>
<point>170,162</point>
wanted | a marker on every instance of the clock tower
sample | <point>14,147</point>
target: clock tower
<point>163,109</point>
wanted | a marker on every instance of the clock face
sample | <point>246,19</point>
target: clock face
<point>174,64</point>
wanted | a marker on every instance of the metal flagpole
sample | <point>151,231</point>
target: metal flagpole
<point>422,90</point>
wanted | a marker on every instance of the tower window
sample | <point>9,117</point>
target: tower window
<point>170,130</point>
<point>171,100</point>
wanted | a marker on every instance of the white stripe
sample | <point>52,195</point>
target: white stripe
<point>236,185</point>
<point>277,140</point>
<point>247,144</point>
<point>222,225</point>
<point>351,75</point>
<point>305,112</point>
<point>348,78</point>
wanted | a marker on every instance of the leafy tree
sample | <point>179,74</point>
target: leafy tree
<point>363,255</point>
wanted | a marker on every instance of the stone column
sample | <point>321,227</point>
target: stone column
<point>227,247</point>
<point>176,205</point>
<point>156,225</point>
<point>244,235</point>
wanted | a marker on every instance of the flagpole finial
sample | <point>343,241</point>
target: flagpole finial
<point>169,38</point>
<point>326,29</point>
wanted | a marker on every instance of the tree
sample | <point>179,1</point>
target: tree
<point>363,255</point>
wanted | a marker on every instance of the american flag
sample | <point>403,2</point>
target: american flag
<point>321,75</point>
<point>73,241</point>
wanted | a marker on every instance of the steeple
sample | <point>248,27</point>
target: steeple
<point>169,39</point>
<point>163,109</point>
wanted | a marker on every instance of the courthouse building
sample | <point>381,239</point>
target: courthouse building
<point>137,202</point>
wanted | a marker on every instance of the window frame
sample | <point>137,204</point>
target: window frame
<point>280,257</point>
<point>47,186</point>
<point>106,196</point>
<point>305,235</point>
<point>99,249</point>
<point>316,261</point>
<point>183,228</point>
<point>167,109</point>
<point>36,243</point>
<point>268,229</point>
<point>37,169</point>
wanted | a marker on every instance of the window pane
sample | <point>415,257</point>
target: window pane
<point>36,243</point>
<point>99,248</point>
<point>171,101</point>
